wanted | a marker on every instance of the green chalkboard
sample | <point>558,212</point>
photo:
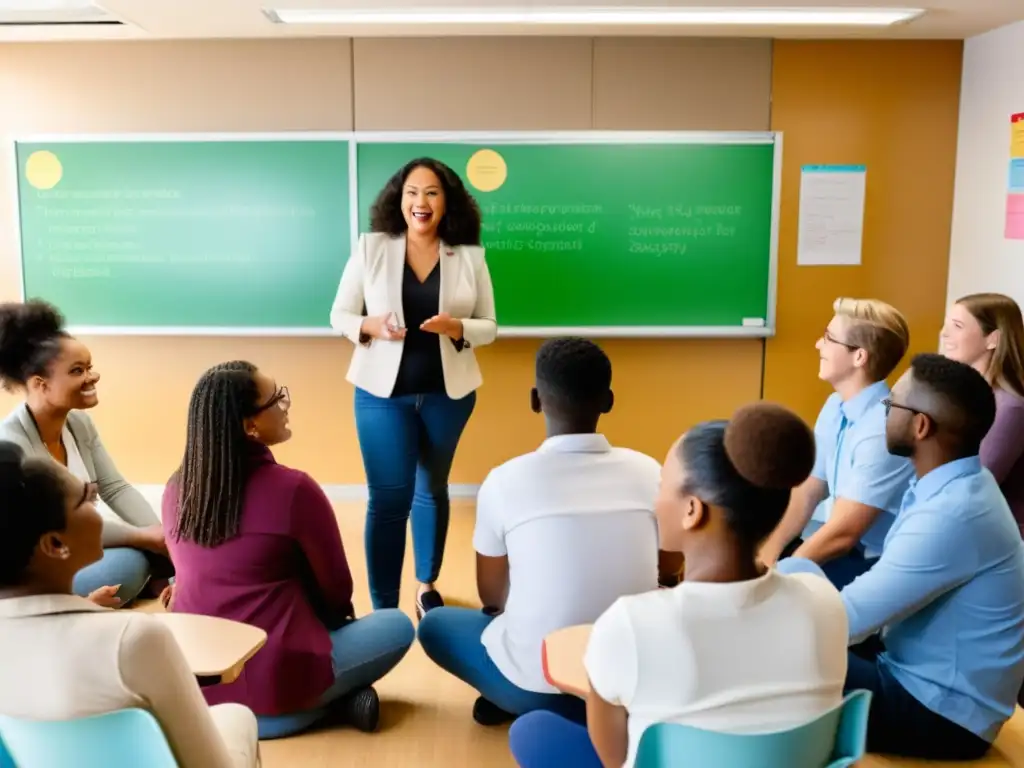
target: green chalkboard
<point>626,236</point>
<point>183,235</point>
<point>602,234</point>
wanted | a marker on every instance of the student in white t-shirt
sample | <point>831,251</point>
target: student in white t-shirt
<point>561,533</point>
<point>735,647</point>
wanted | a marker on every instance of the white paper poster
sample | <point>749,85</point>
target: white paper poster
<point>831,228</point>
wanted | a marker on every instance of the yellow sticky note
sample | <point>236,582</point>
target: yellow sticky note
<point>1017,135</point>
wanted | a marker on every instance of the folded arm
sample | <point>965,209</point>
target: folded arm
<point>875,482</point>
<point>315,528</point>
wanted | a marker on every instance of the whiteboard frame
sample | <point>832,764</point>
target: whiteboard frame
<point>354,138</point>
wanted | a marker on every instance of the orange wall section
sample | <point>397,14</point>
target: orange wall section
<point>892,106</point>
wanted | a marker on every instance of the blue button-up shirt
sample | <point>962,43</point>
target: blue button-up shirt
<point>853,460</point>
<point>949,591</point>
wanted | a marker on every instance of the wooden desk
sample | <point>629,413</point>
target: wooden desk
<point>214,648</point>
<point>562,656</point>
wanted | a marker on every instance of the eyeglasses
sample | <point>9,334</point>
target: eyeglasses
<point>830,338</point>
<point>282,400</point>
<point>889,405</point>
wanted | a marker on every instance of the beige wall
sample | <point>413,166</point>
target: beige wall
<point>526,83</point>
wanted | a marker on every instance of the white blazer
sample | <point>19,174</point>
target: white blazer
<point>372,285</point>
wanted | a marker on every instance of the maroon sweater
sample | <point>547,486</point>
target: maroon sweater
<point>1002,451</point>
<point>285,572</point>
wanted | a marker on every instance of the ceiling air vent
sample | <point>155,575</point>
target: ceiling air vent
<point>53,13</point>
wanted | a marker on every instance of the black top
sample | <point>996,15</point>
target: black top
<point>420,372</point>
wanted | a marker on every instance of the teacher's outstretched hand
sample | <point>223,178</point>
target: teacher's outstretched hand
<point>416,299</point>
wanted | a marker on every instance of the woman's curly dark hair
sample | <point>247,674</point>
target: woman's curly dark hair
<point>461,222</point>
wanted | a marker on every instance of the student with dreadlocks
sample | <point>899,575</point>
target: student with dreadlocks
<point>257,542</point>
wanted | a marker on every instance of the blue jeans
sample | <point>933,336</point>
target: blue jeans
<point>451,638</point>
<point>543,740</point>
<point>363,652</point>
<point>120,565</point>
<point>408,444</point>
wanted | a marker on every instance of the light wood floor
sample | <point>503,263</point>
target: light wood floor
<point>426,716</point>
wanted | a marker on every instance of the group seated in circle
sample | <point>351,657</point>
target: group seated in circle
<point>896,565</point>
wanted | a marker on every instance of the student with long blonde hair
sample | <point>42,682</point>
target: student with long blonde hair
<point>986,331</point>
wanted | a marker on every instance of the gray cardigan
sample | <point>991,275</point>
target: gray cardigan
<point>126,502</point>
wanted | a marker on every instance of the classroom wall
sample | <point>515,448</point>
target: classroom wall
<point>981,258</point>
<point>891,105</point>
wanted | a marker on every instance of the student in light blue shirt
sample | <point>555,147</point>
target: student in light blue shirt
<point>840,516</point>
<point>947,594</point>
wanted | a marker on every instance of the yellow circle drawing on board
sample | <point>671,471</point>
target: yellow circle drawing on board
<point>43,170</point>
<point>486,170</point>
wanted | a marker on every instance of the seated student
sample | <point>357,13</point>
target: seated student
<point>257,542</point>
<point>54,370</point>
<point>735,647</point>
<point>986,331</point>
<point>67,658</point>
<point>948,592</point>
<point>560,534</point>
<point>848,503</point>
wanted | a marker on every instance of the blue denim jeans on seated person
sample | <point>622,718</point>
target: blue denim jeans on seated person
<point>546,740</point>
<point>363,652</point>
<point>120,565</point>
<point>451,638</point>
<point>408,443</point>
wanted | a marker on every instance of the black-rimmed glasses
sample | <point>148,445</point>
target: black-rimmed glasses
<point>282,399</point>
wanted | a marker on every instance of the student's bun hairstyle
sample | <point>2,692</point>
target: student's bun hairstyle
<point>30,337</point>
<point>31,505</point>
<point>748,465</point>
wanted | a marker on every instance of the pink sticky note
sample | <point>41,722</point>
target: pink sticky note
<point>1015,217</point>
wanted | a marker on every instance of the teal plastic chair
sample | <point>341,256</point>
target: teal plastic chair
<point>835,740</point>
<point>128,738</point>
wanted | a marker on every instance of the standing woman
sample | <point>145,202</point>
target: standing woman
<point>986,331</point>
<point>39,358</point>
<point>416,299</point>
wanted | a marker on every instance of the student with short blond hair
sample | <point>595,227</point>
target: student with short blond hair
<point>986,331</point>
<point>844,510</point>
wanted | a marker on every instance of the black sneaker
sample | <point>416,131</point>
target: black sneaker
<point>361,710</point>
<point>428,601</point>
<point>488,713</point>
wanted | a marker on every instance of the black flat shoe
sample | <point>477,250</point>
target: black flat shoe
<point>428,601</point>
<point>361,710</point>
<point>488,713</point>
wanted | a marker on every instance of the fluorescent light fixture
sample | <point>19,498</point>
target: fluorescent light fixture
<point>873,17</point>
<point>33,11</point>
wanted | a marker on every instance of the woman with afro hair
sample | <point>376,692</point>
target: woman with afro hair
<point>54,372</point>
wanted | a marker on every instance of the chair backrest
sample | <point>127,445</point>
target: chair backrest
<point>836,739</point>
<point>127,738</point>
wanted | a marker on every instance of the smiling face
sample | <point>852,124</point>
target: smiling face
<point>270,424</point>
<point>423,202</point>
<point>838,359</point>
<point>70,381</point>
<point>964,340</point>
